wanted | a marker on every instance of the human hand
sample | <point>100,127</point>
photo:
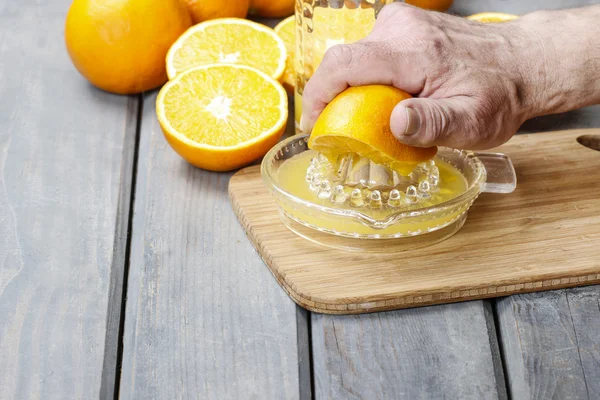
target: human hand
<point>474,83</point>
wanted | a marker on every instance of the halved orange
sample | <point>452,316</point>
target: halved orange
<point>491,17</point>
<point>286,30</point>
<point>357,121</point>
<point>220,117</point>
<point>228,41</point>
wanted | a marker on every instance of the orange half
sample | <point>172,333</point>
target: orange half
<point>357,121</point>
<point>228,41</point>
<point>221,117</point>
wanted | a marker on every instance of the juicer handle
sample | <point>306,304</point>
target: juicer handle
<point>501,176</point>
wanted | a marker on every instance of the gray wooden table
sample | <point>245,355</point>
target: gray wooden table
<point>124,271</point>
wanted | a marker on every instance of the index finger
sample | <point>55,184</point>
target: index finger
<point>343,65</point>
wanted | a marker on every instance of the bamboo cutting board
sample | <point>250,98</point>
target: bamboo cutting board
<point>545,235</point>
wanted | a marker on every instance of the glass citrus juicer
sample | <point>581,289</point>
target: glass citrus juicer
<point>352,185</point>
<point>354,204</point>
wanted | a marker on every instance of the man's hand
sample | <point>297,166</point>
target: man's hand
<point>474,84</point>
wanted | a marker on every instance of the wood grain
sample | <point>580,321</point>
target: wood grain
<point>544,235</point>
<point>551,343</point>
<point>446,351</point>
<point>204,317</point>
<point>66,155</point>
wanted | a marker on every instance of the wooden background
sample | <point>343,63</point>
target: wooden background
<point>108,238</point>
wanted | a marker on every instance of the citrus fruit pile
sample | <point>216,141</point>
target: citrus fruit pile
<point>225,102</point>
<point>121,47</point>
<point>224,106</point>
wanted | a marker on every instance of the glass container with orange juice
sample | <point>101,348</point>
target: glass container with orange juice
<point>321,24</point>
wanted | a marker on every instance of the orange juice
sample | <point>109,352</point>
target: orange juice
<point>292,178</point>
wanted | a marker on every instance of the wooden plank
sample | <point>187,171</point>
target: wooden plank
<point>204,317</point>
<point>66,156</point>
<point>551,343</point>
<point>436,352</point>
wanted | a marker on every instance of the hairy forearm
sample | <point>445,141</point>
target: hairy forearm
<point>560,61</point>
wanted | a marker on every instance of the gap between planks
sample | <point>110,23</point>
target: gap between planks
<point>113,352</point>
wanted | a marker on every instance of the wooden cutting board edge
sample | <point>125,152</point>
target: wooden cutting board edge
<point>425,299</point>
<point>360,305</point>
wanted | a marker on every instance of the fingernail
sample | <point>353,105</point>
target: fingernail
<point>413,122</point>
<point>302,124</point>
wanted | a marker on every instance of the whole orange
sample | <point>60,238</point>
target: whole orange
<point>120,45</point>
<point>272,8</point>
<point>437,5</point>
<point>203,10</point>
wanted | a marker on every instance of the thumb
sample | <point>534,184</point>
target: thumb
<point>425,122</point>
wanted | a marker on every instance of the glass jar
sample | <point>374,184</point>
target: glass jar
<point>321,24</point>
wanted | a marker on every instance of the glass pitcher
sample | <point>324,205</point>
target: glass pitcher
<point>321,24</point>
